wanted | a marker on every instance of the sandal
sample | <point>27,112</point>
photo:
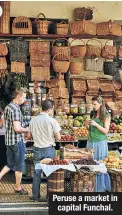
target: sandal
<point>21,192</point>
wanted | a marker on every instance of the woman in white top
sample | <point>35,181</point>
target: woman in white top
<point>2,140</point>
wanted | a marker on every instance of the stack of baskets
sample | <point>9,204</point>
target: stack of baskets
<point>40,60</point>
<point>78,87</point>
<point>3,53</point>
<point>18,55</point>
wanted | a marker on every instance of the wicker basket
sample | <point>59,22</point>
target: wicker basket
<point>106,87</point>
<point>119,104</point>
<point>3,49</point>
<point>93,50</point>
<point>116,181</point>
<point>40,73</point>
<point>77,100</point>
<point>63,101</point>
<point>59,92</point>
<point>76,67</point>
<point>110,68</point>
<point>83,27</point>
<point>78,87</point>
<point>41,47</point>
<point>82,13</point>
<point>106,28</point>
<point>42,25</point>
<point>62,28</point>
<point>118,94</point>
<point>95,65</point>
<point>55,83</point>
<point>60,66</point>
<point>61,52</point>
<point>5,18</point>
<point>21,25</point>
<point>78,50</point>
<point>109,52</point>
<point>18,67</point>
<point>83,181</point>
<point>108,98</point>
<point>3,63</point>
<point>56,181</point>
<point>90,95</point>
<point>38,60</point>
<point>119,54</point>
<point>93,85</point>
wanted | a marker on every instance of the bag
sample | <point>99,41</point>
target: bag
<point>109,52</point>
<point>3,49</point>
<point>95,65</point>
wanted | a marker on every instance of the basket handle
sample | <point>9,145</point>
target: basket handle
<point>79,40</point>
<point>60,54</point>
<point>37,18</point>
<point>114,44</point>
<point>110,26</point>
<point>96,40</point>
<point>60,39</point>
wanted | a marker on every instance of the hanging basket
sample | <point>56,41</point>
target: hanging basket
<point>3,49</point>
<point>39,46</point>
<point>76,67</point>
<point>93,50</point>
<point>81,13</point>
<point>62,28</point>
<point>61,52</point>
<point>42,25</point>
<point>60,66</point>
<point>109,52</point>
<point>78,50</point>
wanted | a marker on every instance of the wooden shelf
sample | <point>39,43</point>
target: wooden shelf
<point>55,36</point>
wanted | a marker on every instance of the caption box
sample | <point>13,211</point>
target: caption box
<point>89,203</point>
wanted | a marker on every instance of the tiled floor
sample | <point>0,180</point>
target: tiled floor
<point>7,194</point>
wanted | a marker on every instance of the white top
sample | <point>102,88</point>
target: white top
<point>2,128</point>
<point>43,129</point>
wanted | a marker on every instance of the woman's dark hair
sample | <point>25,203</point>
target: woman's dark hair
<point>47,104</point>
<point>103,109</point>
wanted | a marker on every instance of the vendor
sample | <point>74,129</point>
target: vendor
<point>2,140</point>
<point>97,140</point>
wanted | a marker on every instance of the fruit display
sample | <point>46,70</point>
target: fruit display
<point>113,153</point>
<point>78,121</point>
<point>116,124</point>
<point>85,161</point>
<point>115,137</point>
<point>68,138</point>
<point>70,146</point>
<point>113,162</point>
<point>81,132</point>
<point>56,161</point>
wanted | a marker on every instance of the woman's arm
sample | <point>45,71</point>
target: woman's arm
<point>104,129</point>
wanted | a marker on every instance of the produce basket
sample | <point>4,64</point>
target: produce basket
<point>76,67</point>
<point>55,181</point>
<point>93,50</point>
<point>21,25</point>
<point>116,180</point>
<point>78,50</point>
<point>37,46</point>
<point>62,28</point>
<point>109,51</point>
<point>61,53</point>
<point>83,27</point>
<point>42,25</point>
<point>83,181</point>
<point>106,28</point>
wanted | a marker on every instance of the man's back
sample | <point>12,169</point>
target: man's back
<point>43,129</point>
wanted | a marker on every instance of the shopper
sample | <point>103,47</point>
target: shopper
<point>14,138</point>
<point>2,139</point>
<point>45,130</point>
<point>97,140</point>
